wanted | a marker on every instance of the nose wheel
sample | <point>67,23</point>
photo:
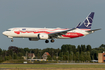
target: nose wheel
<point>12,40</point>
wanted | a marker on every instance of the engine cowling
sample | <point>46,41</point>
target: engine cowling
<point>43,36</point>
<point>33,39</point>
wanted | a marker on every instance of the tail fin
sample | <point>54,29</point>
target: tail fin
<point>88,22</point>
<point>78,25</point>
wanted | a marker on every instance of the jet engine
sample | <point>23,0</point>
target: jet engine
<point>43,36</point>
<point>33,39</point>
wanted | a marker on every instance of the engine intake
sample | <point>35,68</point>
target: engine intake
<point>33,39</point>
<point>43,36</point>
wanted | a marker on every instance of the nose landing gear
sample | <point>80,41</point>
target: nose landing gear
<point>11,39</point>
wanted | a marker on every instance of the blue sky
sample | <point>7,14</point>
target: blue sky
<point>51,14</point>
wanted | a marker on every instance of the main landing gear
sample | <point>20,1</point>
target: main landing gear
<point>52,40</point>
<point>47,41</point>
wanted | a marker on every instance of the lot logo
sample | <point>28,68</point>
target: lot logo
<point>88,22</point>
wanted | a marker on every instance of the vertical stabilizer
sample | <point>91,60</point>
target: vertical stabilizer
<point>88,22</point>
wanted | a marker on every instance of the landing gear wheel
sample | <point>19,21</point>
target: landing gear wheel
<point>47,41</point>
<point>52,40</point>
<point>12,40</point>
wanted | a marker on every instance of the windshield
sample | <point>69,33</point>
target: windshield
<point>8,30</point>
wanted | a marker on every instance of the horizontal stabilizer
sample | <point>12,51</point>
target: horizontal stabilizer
<point>94,30</point>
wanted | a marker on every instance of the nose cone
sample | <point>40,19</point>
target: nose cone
<point>4,33</point>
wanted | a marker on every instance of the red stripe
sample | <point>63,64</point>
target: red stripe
<point>73,35</point>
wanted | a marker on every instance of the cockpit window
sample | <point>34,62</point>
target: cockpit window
<point>8,30</point>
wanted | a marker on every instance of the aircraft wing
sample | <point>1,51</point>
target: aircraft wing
<point>55,34</point>
<point>93,30</point>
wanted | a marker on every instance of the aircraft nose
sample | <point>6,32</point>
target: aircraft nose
<point>4,33</point>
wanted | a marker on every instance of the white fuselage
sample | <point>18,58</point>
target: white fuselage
<point>33,32</point>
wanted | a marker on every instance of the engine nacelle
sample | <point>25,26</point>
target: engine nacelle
<point>43,36</point>
<point>33,39</point>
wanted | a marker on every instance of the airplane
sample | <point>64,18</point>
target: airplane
<point>35,34</point>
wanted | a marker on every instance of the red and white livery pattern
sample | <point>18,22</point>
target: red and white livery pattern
<point>35,34</point>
